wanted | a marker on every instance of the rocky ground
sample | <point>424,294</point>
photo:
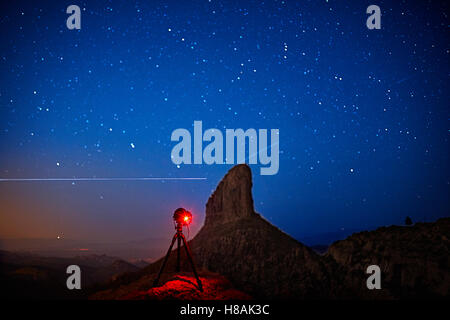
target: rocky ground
<point>181,286</point>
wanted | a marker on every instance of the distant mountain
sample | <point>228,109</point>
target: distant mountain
<point>327,238</point>
<point>264,262</point>
<point>140,263</point>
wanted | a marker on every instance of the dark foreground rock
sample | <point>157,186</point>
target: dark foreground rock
<point>414,260</point>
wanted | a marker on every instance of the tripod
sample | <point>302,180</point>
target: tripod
<point>179,236</point>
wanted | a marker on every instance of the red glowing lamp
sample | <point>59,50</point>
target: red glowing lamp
<point>182,217</point>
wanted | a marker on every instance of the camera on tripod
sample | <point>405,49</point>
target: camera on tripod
<point>182,217</point>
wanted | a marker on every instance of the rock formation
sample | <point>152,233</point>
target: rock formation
<point>232,200</point>
<point>258,257</point>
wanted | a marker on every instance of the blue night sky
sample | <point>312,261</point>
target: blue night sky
<point>363,114</point>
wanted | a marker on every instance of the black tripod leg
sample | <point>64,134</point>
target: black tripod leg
<point>188,253</point>
<point>155,283</point>
<point>178,254</point>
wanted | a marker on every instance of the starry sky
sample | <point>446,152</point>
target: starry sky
<point>363,114</point>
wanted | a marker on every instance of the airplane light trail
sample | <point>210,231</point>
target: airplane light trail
<point>100,179</point>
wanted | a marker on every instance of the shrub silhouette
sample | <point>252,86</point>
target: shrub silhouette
<point>408,221</point>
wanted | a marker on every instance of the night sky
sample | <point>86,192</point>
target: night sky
<point>363,114</point>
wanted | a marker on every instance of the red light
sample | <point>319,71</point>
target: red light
<point>182,216</point>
